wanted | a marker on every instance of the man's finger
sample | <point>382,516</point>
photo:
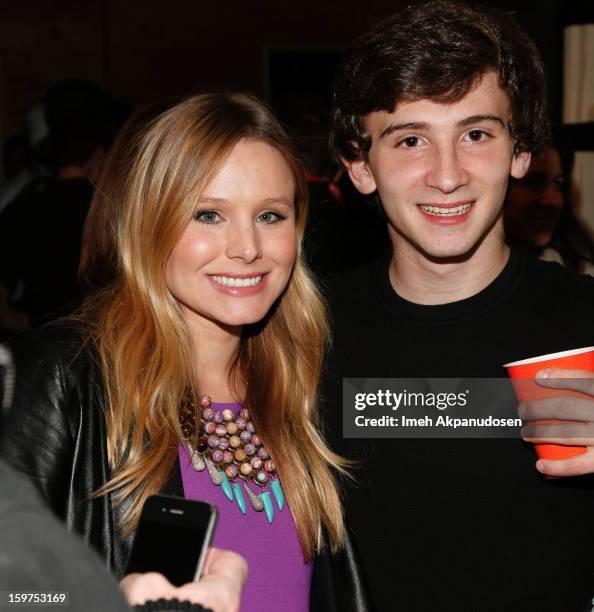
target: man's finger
<point>569,434</point>
<point>572,380</point>
<point>574,466</point>
<point>562,408</point>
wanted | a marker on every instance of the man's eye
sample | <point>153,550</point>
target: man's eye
<point>270,217</point>
<point>207,216</point>
<point>476,135</point>
<point>410,142</point>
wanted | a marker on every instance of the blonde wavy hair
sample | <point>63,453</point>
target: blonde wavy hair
<point>143,343</point>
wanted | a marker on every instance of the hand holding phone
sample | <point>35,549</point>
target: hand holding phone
<point>172,537</point>
<point>219,589</point>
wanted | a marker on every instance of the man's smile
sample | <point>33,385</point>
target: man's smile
<point>446,210</point>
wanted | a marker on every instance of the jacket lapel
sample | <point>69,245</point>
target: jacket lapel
<point>174,484</point>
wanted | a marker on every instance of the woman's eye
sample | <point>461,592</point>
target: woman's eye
<point>410,142</point>
<point>270,217</point>
<point>476,135</point>
<point>207,216</point>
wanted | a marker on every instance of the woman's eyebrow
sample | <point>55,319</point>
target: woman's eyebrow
<point>208,200</point>
<point>279,200</point>
<point>272,200</point>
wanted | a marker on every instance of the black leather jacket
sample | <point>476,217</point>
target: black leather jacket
<point>56,434</point>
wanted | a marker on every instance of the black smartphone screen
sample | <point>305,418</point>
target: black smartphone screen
<point>170,538</point>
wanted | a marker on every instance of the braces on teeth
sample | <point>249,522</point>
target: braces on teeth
<point>445,212</point>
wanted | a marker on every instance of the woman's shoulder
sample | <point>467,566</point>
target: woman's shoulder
<point>339,581</point>
<point>56,405</point>
<point>63,343</point>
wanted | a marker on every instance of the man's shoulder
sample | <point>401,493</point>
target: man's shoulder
<point>355,286</point>
<point>557,281</point>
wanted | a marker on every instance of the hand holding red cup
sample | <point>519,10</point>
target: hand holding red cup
<point>523,375</point>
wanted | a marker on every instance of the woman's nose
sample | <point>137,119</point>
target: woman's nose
<point>243,242</point>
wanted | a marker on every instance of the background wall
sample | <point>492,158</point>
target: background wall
<point>140,51</point>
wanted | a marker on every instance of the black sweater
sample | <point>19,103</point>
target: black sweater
<point>463,524</point>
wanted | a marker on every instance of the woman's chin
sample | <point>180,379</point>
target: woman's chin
<point>241,319</point>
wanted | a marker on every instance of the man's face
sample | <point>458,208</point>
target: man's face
<point>441,171</point>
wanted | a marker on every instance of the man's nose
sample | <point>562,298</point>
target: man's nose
<point>446,172</point>
<point>243,242</point>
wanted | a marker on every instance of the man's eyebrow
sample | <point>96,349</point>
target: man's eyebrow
<point>412,125</point>
<point>421,125</point>
<point>480,118</point>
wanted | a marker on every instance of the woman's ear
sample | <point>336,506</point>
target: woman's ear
<point>360,175</point>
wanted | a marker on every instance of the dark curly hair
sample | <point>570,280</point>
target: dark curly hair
<point>438,50</point>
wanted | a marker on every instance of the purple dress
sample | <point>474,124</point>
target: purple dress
<point>278,579</point>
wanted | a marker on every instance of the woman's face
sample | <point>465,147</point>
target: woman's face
<point>236,256</point>
<point>535,202</point>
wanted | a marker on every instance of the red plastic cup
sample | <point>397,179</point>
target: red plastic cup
<point>522,374</point>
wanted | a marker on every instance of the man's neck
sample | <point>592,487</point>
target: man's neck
<point>421,280</point>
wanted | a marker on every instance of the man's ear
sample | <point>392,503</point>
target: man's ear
<point>520,164</point>
<point>361,175</point>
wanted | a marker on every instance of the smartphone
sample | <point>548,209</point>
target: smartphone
<point>172,538</point>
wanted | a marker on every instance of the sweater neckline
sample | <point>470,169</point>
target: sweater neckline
<point>492,294</point>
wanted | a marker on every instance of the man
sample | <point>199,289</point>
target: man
<point>436,109</point>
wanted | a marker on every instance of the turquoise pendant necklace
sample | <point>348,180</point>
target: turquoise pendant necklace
<point>226,445</point>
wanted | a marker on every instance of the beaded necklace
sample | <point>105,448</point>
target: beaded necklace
<point>227,446</point>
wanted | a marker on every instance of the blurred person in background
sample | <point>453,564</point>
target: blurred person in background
<point>18,167</point>
<point>98,267</point>
<point>40,231</point>
<point>540,216</point>
<point>344,229</point>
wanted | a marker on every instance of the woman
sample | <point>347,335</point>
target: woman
<point>209,299</point>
